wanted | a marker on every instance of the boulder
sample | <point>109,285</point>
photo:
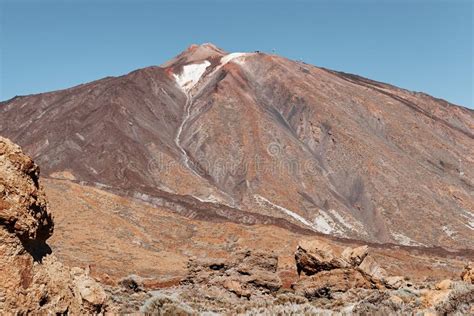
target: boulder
<point>314,256</point>
<point>394,282</point>
<point>326,283</point>
<point>355,256</point>
<point>236,287</point>
<point>371,268</point>
<point>328,270</point>
<point>90,291</point>
<point>267,280</point>
<point>245,273</point>
<point>444,285</point>
<point>132,283</point>
<point>256,260</point>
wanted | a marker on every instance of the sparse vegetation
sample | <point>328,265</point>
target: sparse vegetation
<point>161,305</point>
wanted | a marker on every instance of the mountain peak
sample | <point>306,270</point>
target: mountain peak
<point>196,53</point>
<point>207,46</point>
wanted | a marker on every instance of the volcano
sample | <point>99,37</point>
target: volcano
<point>254,138</point>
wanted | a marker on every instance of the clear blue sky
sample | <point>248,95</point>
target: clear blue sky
<point>420,45</point>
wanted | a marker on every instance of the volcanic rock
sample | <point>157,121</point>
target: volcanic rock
<point>245,274</point>
<point>23,208</point>
<point>314,256</point>
<point>370,267</point>
<point>359,274</point>
<point>326,283</point>
<point>31,279</point>
<point>394,282</point>
<point>331,270</point>
<point>354,256</point>
<point>132,283</point>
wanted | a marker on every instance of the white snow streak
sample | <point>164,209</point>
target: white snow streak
<point>232,57</point>
<point>405,240</point>
<point>188,78</point>
<point>210,199</point>
<point>299,218</point>
<point>190,75</point>
<point>177,140</point>
<point>469,219</point>
<point>470,225</point>
<point>80,137</point>
<point>322,223</point>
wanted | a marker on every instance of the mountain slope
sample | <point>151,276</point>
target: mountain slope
<point>323,150</point>
<point>119,236</point>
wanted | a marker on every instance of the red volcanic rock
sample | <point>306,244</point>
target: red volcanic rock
<point>262,135</point>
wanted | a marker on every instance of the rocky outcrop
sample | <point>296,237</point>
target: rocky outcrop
<point>349,281</point>
<point>314,256</point>
<point>371,268</point>
<point>31,279</point>
<point>245,274</point>
<point>23,208</point>
<point>354,275</point>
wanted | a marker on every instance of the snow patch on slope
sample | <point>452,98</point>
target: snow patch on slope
<point>347,223</point>
<point>233,57</point>
<point>323,223</point>
<point>190,75</point>
<point>448,231</point>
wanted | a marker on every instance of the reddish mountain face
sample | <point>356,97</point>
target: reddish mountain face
<point>257,138</point>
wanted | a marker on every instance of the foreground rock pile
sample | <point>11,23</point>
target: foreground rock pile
<point>31,279</point>
<point>331,281</point>
<point>352,279</point>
